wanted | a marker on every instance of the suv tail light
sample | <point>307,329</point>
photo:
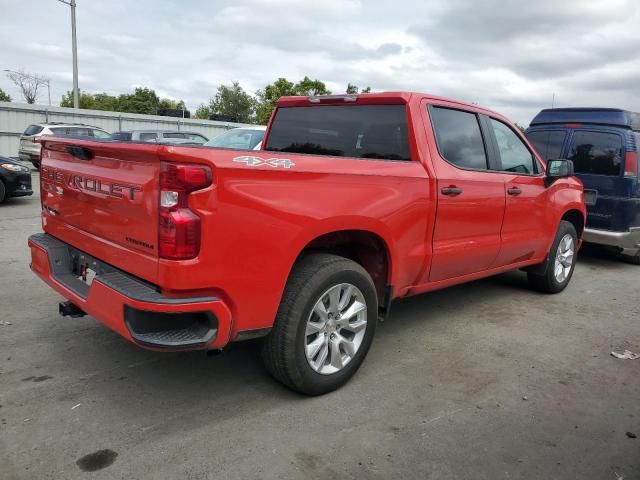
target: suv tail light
<point>179,227</point>
<point>631,165</point>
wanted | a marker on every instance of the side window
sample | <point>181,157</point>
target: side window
<point>514,154</point>
<point>173,135</point>
<point>596,153</point>
<point>548,143</point>
<point>100,134</point>
<point>147,136</point>
<point>459,138</point>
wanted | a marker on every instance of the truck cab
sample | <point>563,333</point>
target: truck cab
<point>603,145</point>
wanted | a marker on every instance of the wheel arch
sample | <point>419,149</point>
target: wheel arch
<point>365,247</point>
<point>576,218</point>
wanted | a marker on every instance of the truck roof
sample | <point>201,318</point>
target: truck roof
<point>372,99</point>
<point>596,116</point>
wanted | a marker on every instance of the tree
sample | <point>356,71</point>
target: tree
<point>268,97</point>
<point>282,87</point>
<point>203,111</point>
<point>353,89</point>
<point>143,100</point>
<point>28,84</point>
<point>306,87</point>
<point>232,101</point>
<point>85,100</point>
<point>4,97</point>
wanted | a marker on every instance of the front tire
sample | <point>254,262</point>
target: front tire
<point>561,263</point>
<point>324,326</point>
<point>3,192</point>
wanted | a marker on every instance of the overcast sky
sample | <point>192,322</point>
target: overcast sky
<point>511,56</point>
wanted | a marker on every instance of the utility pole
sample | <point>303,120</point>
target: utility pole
<point>74,46</point>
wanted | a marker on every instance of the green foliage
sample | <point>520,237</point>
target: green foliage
<point>282,87</point>
<point>203,112</point>
<point>353,89</point>
<point>143,100</point>
<point>4,97</point>
<point>306,86</point>
<point>268,97</point>
<point>86,100</point>
<point>234,102</point>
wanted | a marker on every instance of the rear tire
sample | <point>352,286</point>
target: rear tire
<point>3,192</point>
<point>324,326</point>
<point>561,263</point>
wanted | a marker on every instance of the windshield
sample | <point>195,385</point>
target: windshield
<point>240,138</point>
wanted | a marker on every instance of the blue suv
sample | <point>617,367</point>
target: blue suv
<point>603,145</point>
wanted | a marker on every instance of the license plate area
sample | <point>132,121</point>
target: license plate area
<point>590,197</point>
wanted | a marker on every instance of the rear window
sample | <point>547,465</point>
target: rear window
<point>548,143</point>
<point>33,130</point>
<point>459,137</point>
<point>360,131</point>
<point>596,153</point>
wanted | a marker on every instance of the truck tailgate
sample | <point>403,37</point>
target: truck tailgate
<point>103,196</point>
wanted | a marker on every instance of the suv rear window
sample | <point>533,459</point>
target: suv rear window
<point>548,143</point>
<point>596,153</point>
<point>360,131</point>
<point>33,130</point>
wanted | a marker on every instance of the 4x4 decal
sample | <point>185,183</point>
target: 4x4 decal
<point>257,161</point>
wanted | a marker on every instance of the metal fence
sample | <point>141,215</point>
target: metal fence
<point>15,117</point>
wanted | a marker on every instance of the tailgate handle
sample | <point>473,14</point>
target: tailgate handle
<point>80,153</point>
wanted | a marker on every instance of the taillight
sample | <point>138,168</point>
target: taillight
<point>179,227</point>
<point>631,165</point>
<point>35,140</point>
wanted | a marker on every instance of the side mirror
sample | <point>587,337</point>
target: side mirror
<point>559,168</point>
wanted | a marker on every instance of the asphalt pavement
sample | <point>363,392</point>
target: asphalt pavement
<point>487,380</point>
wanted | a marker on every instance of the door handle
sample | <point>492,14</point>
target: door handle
<point>514,191</point>
<point>453,191</point>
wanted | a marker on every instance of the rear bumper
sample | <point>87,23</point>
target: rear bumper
<point>129,306</point>
<point>629,240</point>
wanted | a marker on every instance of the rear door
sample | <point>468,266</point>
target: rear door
<point>598,157</point>
<point>471,198</point>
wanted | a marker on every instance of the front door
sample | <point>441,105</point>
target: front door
<point>470,198</point>
<point>525,229</point>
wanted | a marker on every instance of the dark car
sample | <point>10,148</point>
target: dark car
<point>603,144</point>
<point>15,179</point>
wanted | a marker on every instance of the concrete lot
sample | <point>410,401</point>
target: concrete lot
<point>487,380</point>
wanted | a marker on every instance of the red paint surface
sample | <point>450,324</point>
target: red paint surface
<point>256,220</point>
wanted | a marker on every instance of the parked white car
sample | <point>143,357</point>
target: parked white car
<point>243,138</point>
<point>29,149</point>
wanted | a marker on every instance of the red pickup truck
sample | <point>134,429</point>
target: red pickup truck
<point>355,201</point>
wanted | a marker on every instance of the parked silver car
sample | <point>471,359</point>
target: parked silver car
<point>29,149</point>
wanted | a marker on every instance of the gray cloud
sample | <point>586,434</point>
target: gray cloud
<point>507,55</point>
